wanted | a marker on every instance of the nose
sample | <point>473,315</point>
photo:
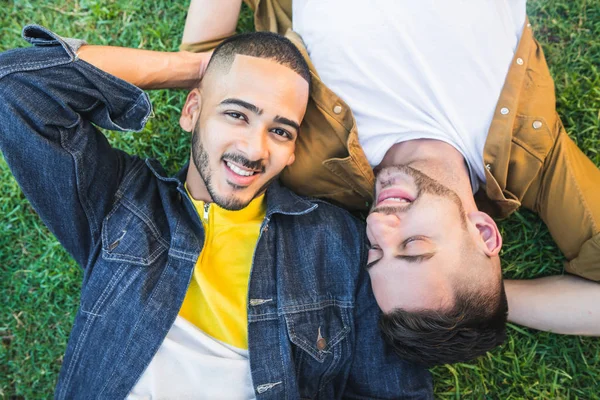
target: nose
<point>254,145</point>
<point>383,229</point>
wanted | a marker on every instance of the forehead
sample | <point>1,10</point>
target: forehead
<point>263,82</point>
<point>398,284</point>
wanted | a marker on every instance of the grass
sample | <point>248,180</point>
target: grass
<point>39,282</point>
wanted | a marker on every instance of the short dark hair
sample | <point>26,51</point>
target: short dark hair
<point>474,325</point>
<point>267,45</point>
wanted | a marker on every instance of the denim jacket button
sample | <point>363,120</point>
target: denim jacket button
<point>267,386</point>
<point>114,245</point>
<point>321,343</point>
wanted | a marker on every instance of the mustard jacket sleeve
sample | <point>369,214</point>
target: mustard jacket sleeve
<point>569,203</point>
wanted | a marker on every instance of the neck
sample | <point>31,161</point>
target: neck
<point>195,184</point>
<point>439,161</point>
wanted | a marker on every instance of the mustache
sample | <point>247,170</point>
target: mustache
<point>257,165</point>
<point>391,210</point>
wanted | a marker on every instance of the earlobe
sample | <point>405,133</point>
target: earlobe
<point>491,240</point>
<point>291,159</point>
<point>190,110</point>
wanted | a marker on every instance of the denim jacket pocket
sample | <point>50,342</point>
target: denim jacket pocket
<point>128,235</point>
<point>130,243</point>
<point>318,332</point>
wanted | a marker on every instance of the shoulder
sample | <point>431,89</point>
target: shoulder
<point>326,209</point>
<point>312,215</point>
<point>337,229</point>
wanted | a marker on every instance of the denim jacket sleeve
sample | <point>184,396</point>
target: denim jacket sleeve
<point>49,103</point>
<point>375,366</point>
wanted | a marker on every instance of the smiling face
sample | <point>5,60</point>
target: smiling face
<point>422,242</point>
<point>245,123</point>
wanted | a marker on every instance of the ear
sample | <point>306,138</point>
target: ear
<point>191,110</point>
<point>491,240</point>
<point>291,159</point>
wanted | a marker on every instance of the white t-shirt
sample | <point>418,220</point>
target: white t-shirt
<point>412,69</point>
<point>192,365</point>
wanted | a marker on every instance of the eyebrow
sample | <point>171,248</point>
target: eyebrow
<point>283,120</point>
<point>411,259</point>
<point>259,111</point>
<point>244,104</point>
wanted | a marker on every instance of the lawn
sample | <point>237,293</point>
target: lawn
<point>39,282</point>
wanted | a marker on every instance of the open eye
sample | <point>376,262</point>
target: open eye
<point>282,132</point>
<point>236,115</point>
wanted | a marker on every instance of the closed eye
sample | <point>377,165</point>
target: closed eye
<point>415,259</point>
<point>413,239</point>
<point>411,259</point>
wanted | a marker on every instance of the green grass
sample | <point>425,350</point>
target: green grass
<point>39,282</point>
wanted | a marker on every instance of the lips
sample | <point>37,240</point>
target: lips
<point>240,175</point>
<point>239,170</point>
<point>395,196</point>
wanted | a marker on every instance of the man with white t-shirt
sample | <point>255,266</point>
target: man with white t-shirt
<point>447,108</point>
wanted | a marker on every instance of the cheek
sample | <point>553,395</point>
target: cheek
<point>217,138</point>
<point>280,155</point>
<point>436,216</point>
<point>446,220</point>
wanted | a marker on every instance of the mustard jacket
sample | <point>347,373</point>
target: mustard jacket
<point>530,160</point>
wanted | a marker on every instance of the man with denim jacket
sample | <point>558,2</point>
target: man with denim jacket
<point>371,110</point>
<point>311,315</point>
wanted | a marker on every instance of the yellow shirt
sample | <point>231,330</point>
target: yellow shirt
<point>217,296</point>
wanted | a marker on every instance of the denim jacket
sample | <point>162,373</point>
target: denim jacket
<point>135,232</point>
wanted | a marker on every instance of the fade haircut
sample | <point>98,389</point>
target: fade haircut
<point>474,325</point>
<point>271,46</point>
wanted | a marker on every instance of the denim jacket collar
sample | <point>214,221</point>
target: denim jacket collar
<point>280,200</point>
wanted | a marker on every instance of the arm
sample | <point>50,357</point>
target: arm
<point>560,304</point>
<point>568,202</point>
<point>64,165</point>
<point>148,69</point>
<point>202,25</point>
<point>170,70</point>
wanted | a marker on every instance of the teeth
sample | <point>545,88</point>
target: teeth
<point>398,199</point>
<point>238,170</point>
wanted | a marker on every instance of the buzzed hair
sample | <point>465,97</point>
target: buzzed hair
<point>268,45</point>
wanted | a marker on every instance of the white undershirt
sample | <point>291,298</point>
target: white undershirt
<point>412,69</point>
<point>192,365</point>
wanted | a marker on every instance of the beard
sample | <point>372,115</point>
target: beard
<point>201,160</point>
<point>424,184</point>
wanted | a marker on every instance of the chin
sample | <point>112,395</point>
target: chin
<point>232,202</point>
